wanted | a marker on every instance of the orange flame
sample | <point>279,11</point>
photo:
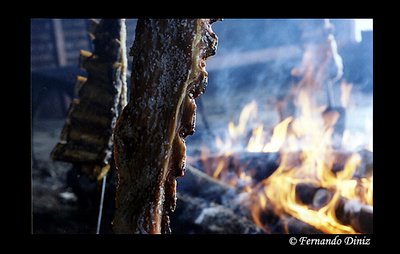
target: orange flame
<point>306,154</point>
<point>308,137</point>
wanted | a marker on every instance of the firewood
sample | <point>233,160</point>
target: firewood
<point>198,215</point>
<point>204,190</point>
<point>348,212</point>
<point>198,184</point>
<point>257,165</point>
<point>367,165</point>
<point>168,73</point>
<point>321,198</point>
<point>359,216</point>
<point>305,192</point>
<point>194,200</point>
<point>312,195</point>
<point>262,165</point>
<point>200,191</point>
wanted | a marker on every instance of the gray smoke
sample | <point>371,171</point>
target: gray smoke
<point>254,62</point>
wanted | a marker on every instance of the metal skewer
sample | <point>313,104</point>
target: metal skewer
<point>103,187</point>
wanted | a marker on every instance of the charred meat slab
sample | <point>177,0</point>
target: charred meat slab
<point>168,73</point>
<point>86,138</point>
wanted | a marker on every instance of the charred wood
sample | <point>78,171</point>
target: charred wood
<point>262,165</point>
<point>348,212</point>
<point>355,214</point>
<point>200,191</point>
<point>197,184</point>
<point>312,195</point>
<point>257,165</point>
<point>367,166</point>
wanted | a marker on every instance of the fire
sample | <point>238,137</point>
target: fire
<point>257,142</point>
<point>249,112</point>
<point>311,138</point>
<point>306,157</point>
<point>219,169</point>
<point>308,151</point>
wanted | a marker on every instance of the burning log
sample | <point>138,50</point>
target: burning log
<point>367,166</point>
<point>200,191</point>
<point>201,216</point>
<point>261,165</point>
<point>348,212</point>
<point>359,216</point>
<point>168,73</point>
<point>312,195</point>
<point>197,184</point>
<point>258,165</point>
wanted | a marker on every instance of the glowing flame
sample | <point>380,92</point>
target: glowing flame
<point>305,145</point>
<point>257,142</point>
<point>219,169</point>
<point>310,136</point>
<point>307,157</point>
<point>249,111</point>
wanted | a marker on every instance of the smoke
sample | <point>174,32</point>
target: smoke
<point>254,61</point>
